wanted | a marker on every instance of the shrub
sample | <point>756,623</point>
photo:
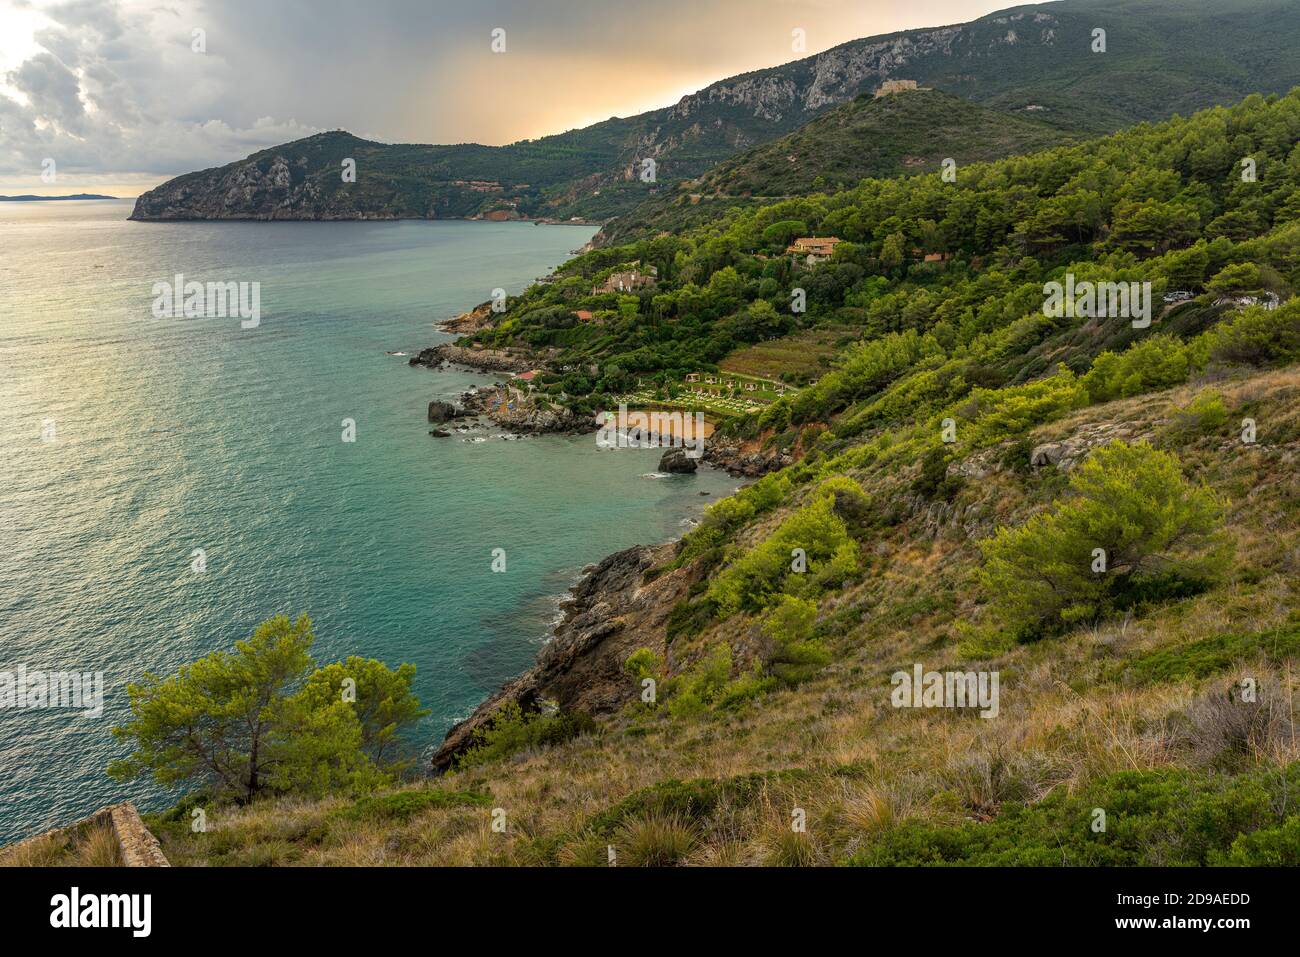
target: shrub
<point>750,685</point>
<point>1167,817</point>
<point>693,800</point>
<point>1268,847</point>
<point>1228,729</point>
<point>1210,656</point>
<point>727,515</point>
<point>796,656</point>
<point>692,692</point>
<point>644,663</point>
<point>1206,414</point>
<point>1154,363</point>
<point>866,370</point>
<point>656,841</point>
<point>689,618</point>
<point>401,806</point>
<point>933,482</point>
<point>995,415</point>
<point>512,730</point>
<point>1258,337</point>
<point>776,416</point>
<point>1131,516</point>
<point>756,580</point>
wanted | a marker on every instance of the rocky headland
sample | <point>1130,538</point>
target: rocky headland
<point>605,618</point>
<point>468,323</point>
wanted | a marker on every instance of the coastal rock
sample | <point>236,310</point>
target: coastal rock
<point>607,615</point>
<point>440,412</point>
<point>490,360</point>
<point>748,463</point>
<point>467,323</point>
<point>521,412</point>
<point>280,184</point>
<point>676,462</point>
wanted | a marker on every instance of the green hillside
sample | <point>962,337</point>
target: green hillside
<point>958,472</point>
<point>866,137</point>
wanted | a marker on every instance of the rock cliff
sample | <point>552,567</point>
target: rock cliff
<point>607,616</point>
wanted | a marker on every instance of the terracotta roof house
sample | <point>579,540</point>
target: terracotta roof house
<point>814,247</point>
<point>528,376</point>
<point>629,280</point>
<point>584,315</point>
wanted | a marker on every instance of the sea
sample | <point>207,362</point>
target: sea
<point>168,483</point>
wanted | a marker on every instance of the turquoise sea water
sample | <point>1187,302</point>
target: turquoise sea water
<point>176,435</point>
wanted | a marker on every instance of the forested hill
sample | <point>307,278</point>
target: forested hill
<point>1161,57</point>
<point>944,277</point>
<point>869,136</point>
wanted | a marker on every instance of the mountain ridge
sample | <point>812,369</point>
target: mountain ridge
<point>1161,59</point>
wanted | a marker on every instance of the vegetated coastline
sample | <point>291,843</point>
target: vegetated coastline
<point>580,667</point>
<point>512,409</point>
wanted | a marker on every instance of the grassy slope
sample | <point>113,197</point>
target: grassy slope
<point>1136,695</point>
<point>807,354</point>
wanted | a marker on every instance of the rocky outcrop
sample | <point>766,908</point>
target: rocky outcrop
<point>1070,451</point>
<point>739,459</point>
<point>440,412</point>
<point>675,461</point>
<point>490,360</point>
<point>468,323</point>
<point>288,183</point>
<point>831,77</point>
<point>522,411</point>
<point>608,615</point>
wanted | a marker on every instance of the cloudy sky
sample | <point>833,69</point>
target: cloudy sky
<point>115,93</point>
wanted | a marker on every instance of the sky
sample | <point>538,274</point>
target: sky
<point>123,94</point>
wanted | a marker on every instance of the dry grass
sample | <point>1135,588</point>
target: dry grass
<point>98,847</point>
<point>1069,714</point>
<point>48,850</point>
<point>91,845</point>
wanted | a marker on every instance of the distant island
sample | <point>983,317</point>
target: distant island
<point>41,199</point>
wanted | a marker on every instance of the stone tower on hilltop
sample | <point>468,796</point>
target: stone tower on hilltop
<point>895,86</point>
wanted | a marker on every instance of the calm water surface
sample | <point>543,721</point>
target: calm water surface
<point>176,435</point>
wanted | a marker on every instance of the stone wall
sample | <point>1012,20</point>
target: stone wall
<point>138,846</point>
